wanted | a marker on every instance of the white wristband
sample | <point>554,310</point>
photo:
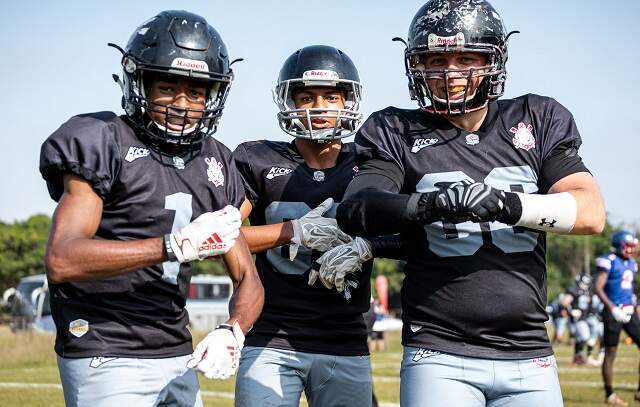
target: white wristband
<point>551,213</point>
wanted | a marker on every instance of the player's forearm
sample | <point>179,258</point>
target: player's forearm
<point>590,215</point>
<point>598,289</point>
<point>82,259</point>
<point>265,237</point>
<point>589,208</point>
<point>247,301</point>
<point>248,298</point>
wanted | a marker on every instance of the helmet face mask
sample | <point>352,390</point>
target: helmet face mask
<point>624,243</point>
<point>318,66</point>
<point>472,95</point>
<point>456,26</point>
<point>176,46</point>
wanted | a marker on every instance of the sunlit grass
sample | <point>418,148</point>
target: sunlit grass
<point>29,359</point>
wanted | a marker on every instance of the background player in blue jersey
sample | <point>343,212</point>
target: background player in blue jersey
<point>308,338</point>
<point>615,284</point>
<point>140,197</point>
<point>473,183</point>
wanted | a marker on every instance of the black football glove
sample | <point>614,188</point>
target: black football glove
<point>476,202</point>
<point>429,207</point>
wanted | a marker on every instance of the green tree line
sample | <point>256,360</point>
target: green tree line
<point>22,246</point>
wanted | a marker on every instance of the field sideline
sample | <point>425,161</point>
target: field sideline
<point>29,376</point>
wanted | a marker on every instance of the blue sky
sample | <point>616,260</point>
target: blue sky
<point>584,53</point>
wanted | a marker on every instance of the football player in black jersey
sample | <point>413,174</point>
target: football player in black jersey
<point>140,197</point>
<point>474,184</point>
<point>308,338</point>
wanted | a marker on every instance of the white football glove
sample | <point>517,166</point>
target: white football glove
<point>316,232</point>
<point>336,263</point>
<point>210,234</point>
<point>217,356</point>
<point>619,315</point>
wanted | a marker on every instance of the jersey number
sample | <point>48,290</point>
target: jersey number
<point>280,211</point>
<point>181,204</point>
<point>464,239</point>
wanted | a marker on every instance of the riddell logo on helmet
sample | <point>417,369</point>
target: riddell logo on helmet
<point>435,41</point>
<point>320,74</point>
<point>190,64</point>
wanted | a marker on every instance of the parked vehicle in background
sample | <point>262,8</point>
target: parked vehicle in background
<point>29,305</point>
<point>208,301</point>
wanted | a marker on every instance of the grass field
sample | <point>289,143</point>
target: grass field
<point>29,376</point>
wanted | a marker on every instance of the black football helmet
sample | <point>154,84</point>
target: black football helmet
<point>456,26</point>
<point>182,44</point>
<point>318,65</point>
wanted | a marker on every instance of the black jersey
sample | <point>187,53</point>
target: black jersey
<point>142,313</point>
<point>476,289</point>
<point>297,316</point>
<point>582,302</point>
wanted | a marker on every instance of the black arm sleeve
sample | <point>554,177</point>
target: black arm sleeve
<point>372,205</point>
<point>389,247</point>
<point>371,193</point>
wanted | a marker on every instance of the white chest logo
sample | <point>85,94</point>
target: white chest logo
<point>472,139</point>
<point>421,143</point>
<point>523,138</point>
<point>278,171</point>
<point>214,172</point>
<point>136,152</point>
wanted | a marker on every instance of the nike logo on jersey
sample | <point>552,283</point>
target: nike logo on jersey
<point>278,171</point>
<point>421,143</point>
<point>136,152</point>
<point>424,353</point>
<point>99,361</point>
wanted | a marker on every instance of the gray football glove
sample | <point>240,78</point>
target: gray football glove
<point>340,261</point>
<point>316,232</point>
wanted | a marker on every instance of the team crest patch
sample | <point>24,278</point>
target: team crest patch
<point>136,152</point>
<point>78,327</point>
<point>421,143</point>
<point>318,176</point>
<point>214,172</point>
<point>423,354</point>
<point>523,137</point>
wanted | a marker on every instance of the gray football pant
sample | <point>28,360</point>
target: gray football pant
<point>440,380</point>
<point>121,382</point>
<point>272,377</point>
